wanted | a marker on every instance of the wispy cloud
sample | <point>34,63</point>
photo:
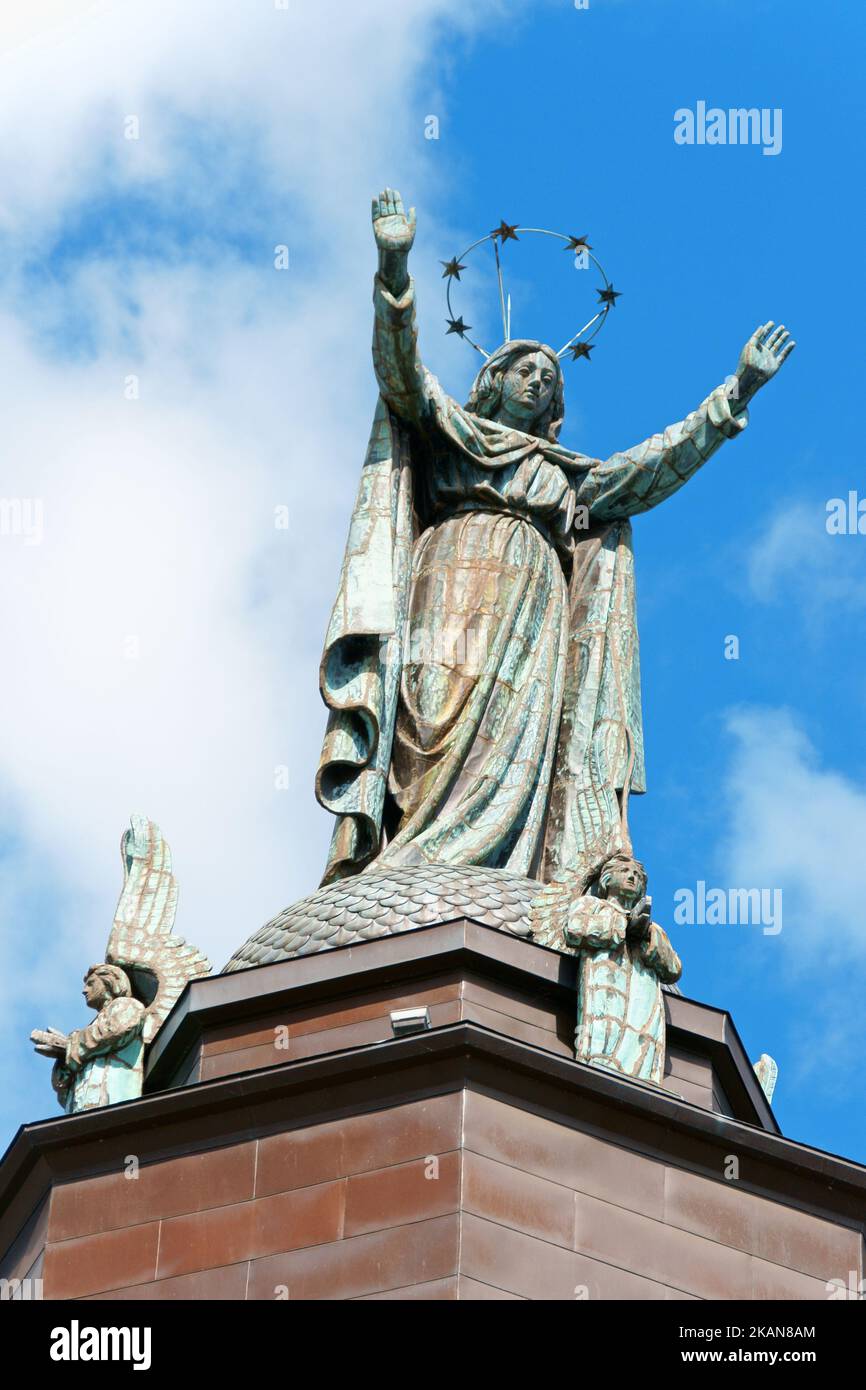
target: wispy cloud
<point>795,556</point>
<point>165,389</point>
<point>796,824</point>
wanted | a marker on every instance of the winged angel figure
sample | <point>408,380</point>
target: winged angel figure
<point>144,973</point>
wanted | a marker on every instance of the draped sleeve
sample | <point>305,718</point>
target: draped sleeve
<point>404,382</point>
<point>659,955</point>
<point>594,925</point>
<point>114,1026</point>
<point>639,478</point>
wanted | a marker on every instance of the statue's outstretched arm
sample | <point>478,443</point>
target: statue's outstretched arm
<point>642,477</point>
<point>403,380</point>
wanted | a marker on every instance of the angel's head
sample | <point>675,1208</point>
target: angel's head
<point>622,878</point>
<point>521,385</point>
<point>104,982</point>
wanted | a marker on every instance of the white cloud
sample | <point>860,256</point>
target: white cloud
<point>795,824</point>
<point>799,826</point>
<point>797,556</point>
<point>255,390</point>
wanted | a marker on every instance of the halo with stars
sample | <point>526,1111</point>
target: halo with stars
<point>580,344</point>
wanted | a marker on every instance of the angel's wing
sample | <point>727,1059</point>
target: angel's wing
<point>767,1073</point>
<point>141,940</point>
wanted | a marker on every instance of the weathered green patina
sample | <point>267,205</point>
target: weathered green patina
<point>481,664</point>
<point>625,958</point>
<point>481,668</point>
<point>133,990</point>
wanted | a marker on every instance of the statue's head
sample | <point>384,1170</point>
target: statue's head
<point>104,982</point>
<point>623,878</point>
<point>521,384</point>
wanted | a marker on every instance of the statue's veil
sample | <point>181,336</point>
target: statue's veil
<point>486,393</point>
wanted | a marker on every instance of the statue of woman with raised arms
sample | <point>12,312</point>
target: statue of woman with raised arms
<point>481,665</point>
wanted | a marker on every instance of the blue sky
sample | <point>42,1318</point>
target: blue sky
<point>155,258</point>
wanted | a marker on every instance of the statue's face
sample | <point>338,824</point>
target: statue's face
<point>95,991</point>
<point>624,881</point>
<point>528,386</point>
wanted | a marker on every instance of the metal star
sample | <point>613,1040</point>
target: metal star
<point>506,232</point>
<point>452,267</point>
<point>577,243</point>
<point>609,296</point>
<point>581,350</point>
<point>458,326</point>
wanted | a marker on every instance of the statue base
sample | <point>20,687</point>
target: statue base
<point>404,1119</point>
<point>382,902</point>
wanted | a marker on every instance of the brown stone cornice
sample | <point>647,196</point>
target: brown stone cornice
<point>461,944</point>
<point>239,1107</point>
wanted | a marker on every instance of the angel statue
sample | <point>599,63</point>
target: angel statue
<point>144,973</point>
<point>624,958</point>
<point>481,664</point>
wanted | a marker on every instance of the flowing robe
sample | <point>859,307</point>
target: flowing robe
<point>481,664</point>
